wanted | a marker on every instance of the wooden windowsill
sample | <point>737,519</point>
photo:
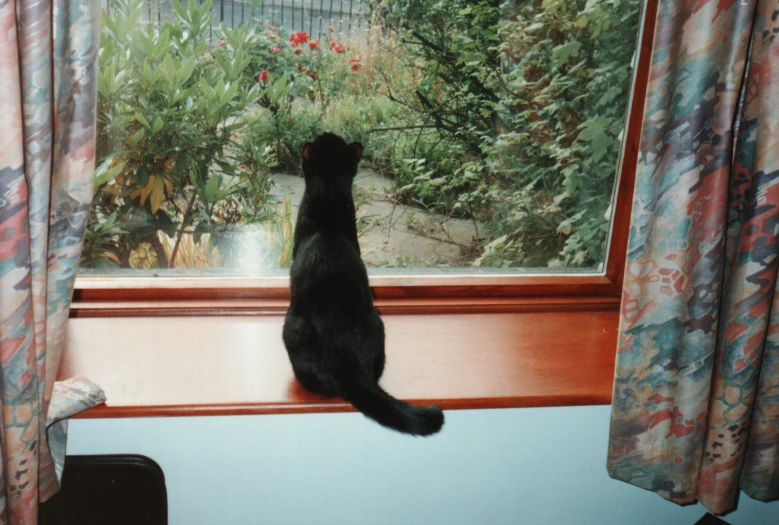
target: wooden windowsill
<point>215,365</point>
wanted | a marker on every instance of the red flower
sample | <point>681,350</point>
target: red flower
<point>356,67</point>
<point>221,43</point>
<point>298,52</point>
<point>312,75</point>
<point>331,29</point>
<point>313,44</point>
<point>263,76</point>
<point>241,167</point>
<point>355,60</point>
<point>335,46</point>
<point>297,66</point>
<point>275,50</point>
<point>301,37</point>
<point>273,28</point>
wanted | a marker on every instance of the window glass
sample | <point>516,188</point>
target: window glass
<point>491,130</point>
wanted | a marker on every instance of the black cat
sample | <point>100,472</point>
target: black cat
<point>333,334</point>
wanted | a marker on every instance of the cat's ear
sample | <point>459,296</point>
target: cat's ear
<point>356,149</point>
<point>307,150</point>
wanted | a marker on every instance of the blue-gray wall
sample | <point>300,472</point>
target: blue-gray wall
<point>519,466</point>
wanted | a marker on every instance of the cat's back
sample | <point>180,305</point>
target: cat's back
<point>328,271</point>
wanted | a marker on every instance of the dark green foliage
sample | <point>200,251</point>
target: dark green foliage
<point>531,98</point>
<point>510,113</point>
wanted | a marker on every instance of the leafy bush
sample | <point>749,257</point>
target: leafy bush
<point>302,77</point>
<point>506,112</point>
<point>168,117</point>
<point>532,98</point>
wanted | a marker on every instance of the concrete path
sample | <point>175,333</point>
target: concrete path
<point>397,235</point>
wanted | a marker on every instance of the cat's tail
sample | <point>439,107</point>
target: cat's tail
<point>370,399</point>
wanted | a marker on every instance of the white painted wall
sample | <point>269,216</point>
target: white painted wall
<point>541,466</point>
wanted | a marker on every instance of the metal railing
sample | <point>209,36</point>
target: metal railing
<point>313,16</point>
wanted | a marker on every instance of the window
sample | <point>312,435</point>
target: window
<point>551,341</point>
<point>492,132</point>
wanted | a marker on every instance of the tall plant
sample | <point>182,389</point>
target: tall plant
<point>168,117</point>
<point>532,95</point>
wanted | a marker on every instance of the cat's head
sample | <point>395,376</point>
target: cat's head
<point>330,157</point>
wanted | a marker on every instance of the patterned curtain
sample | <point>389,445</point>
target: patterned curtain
<point>48,53</point>
<point>695,413</point>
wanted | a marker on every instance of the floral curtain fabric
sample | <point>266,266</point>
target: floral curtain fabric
<point>48,52</point>
<point>695,412</point>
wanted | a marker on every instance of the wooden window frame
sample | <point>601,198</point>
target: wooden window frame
<point>563,327</point>
<point>142,296</point>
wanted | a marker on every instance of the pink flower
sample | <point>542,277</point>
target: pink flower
<point>263,76</point>
<point>266,24</point>
<point>331,29</point>
<point>221,43</point>
<point>313,44</point>
<point>301,37</point>
<point>273,28</point>
<point>241,167</point>
<point>355,60</point>
<point>275,50</point>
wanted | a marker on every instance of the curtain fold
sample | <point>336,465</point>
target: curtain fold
<point>48,57</point>
<point>695,411</point>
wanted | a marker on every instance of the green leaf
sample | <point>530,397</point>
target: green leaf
<point>562,53</point>
<point>211,188</point>
<point>142,176</point>
<point>179,10</point>
<point>594,133</point>
<point>158,123</point>
<point>565,227</point>
<point>140,118</point>
<point>104,173</point>
<point>609,96</point>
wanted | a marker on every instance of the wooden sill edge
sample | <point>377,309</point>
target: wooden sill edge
<point>272,306</point>
<point>334,406</point>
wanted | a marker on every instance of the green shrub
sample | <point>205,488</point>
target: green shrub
<point>530,100</point>
<point>507,112</point>
<point>168,117</point>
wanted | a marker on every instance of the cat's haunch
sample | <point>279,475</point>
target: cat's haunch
<point>333,334</point>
